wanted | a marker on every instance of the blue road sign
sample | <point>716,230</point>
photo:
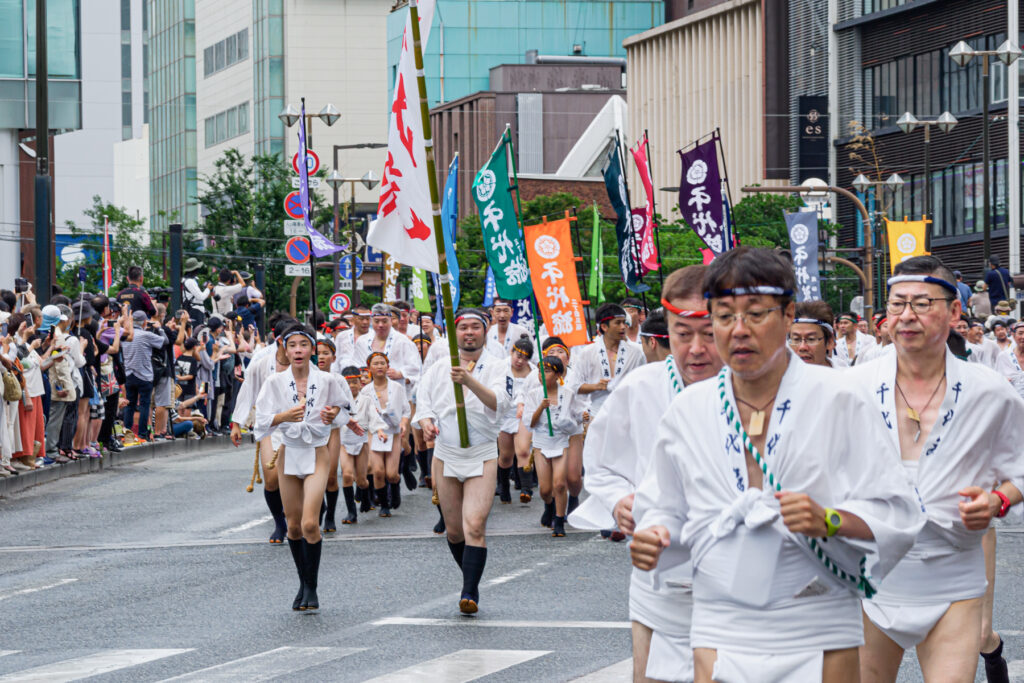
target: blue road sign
<point>345,267</point>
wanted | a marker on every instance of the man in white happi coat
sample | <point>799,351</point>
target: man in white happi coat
<point>935,412</point>
<point>597,368</point>
<point>635,316</point>
<point>617,454</point>
<point>401,352</point>
<point>265,363</point>
<point>773,476</point>
<point>465,477</point>
<point>345,341</point>
<point>812,335</point>
<point>851,343</point>
<point>503,333</point>
<point>1010,361</point>
<point>983,349</point>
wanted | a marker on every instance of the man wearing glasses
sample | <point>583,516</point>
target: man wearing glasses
<point>773,476</point>
<point>935,413</point>
<point>812,336</point>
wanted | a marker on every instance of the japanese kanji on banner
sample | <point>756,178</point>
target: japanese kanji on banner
<point>803,245</point>
<point>700,196</point>
<point>906,239</point>
<point>549,251</point>
<point>629,249</point>
<point>404,225</point>
<point>648,252</point>
<point>418,288</point>
<point>502,244</point>
<point>392,268</point>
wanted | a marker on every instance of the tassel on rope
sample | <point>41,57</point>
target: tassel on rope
<point>529,465</point>
<point>273,461</point>
<point>256,479</point>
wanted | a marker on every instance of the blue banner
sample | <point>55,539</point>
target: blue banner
<point>490,290</point>
<point>449,220</point>
<point>522,313</point>
<point>803,245</point>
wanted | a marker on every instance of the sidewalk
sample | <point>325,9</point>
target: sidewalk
<point>148,451</point>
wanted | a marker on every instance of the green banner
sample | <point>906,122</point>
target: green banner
<point>596,285</point>
<point>503,242</point>
<point>420,298</point>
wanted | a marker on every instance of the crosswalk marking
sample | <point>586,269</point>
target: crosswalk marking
<point>91,665</point>
<point>497,623</point>
<point>268,665</point>
<point>620,671</point>
<point>461,666</point>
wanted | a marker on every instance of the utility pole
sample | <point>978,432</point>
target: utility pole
<point>43,244</point>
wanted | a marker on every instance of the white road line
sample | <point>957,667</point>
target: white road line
<point>247,525</point>
<point>4,653</point>
<point>514,575</point>
<point>461,666</point>
<point>1009,633</point>
<point>36,589</point>
<point>497,623</point>
<point>620,671</point>
<point>281,662</point>
<point>92,665</point>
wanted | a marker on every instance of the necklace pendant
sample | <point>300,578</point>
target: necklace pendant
<point>913,415</point>
<point>917,436</point>
<point>756,427</point>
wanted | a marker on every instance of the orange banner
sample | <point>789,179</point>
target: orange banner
<point>553,275</point>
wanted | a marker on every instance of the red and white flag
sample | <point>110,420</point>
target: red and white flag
<point>648,252</point>
<point>405,221</point>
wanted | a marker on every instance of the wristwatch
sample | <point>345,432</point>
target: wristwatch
<point>833,520</point>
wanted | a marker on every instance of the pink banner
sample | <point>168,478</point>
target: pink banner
<point>648,252</point>
<point>708,256</point>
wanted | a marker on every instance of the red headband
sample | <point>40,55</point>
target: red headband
<point>557,346</point>
<point>683,313</point>
<point>377,353</point>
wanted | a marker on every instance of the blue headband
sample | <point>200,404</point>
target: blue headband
<point>923,278</point>
<point>751,291</point>
<point>819,323</point>
<point>305,334</point>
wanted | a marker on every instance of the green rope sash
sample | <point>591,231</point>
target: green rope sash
<point>861,582</point>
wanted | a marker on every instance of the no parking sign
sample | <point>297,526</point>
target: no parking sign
<point>339,303</point>
<point>297,250</point>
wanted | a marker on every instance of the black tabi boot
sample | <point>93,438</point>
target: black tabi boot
<point>504,494</point>
<point>365,504</point>
<point>525,489</point>
<point>516,479</point>
<point>548,517</point>
<point>310,600</point>
<point>408,466</point>
<point>382,501</point>
<point>350,503</point>
<point>996,670</point>
<point>300,564</point>
<point>323,510</point>
<point>474,558</point>
<point>424,464</point>
<point>574,502</point>
<point>276,508</point>
<point>439,528</point>
<point>332,505</point>
<point>558,528</point>
<point>395,495</point>
<point>457,550</point>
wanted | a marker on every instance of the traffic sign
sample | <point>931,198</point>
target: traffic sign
<point>345,267</point>
<point>339,303</point>
<point>313,183</point>
<point>294,228</point>
<point>347,285</point>
<point>293,205</point>
<point>312,162</point>
<point>297,250</point>
<point>297,271</point>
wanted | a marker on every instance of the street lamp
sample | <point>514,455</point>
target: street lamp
<point>336,180</point>
<point>962,54</point>
<point>289,116</point>
<point>862,184</point>
<point>945,122</point>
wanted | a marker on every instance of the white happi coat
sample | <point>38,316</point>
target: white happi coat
<point>758,588</point>
<point>512,335</point>
<point>256,374</point>
<point>566,418</point>
<point>401,353</point>
<point>515,388</point>
<point>352,442</point>
<point>864,343</point>
<point>985,353</point>
<point>975,441</point>
<point>436,401</point>
<point>590,365</point>
<point>300,439</point>
<point>1007,364</point>
<point>616,455</point>
<point>345,350</point>
<point>387,419</point>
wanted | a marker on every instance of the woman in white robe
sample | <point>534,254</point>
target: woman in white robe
<point>325,360</point>
<point>518,369</point>
<point>355,453</point>
<point>389,430</point>
<point>300,404</point>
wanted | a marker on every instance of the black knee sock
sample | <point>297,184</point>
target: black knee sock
<point>395,494</point>
<point>295,545</point>
<point>369,478</point>
<point>457,551</point>
<point>382,497</point>
<point>524,480</point>
<point>503,478</point>
<point>275,505</point>
<point>996,670</point>
<point>474,558</point>
<point>312,561</point>
<point>424,463</point>
<point>350,499</point>
<point>332,503</point>
<point>574,502</point>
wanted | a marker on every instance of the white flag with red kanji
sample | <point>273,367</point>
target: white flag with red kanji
<point>405,222</point>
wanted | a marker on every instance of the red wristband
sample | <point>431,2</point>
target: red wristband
<point>1005,507</point>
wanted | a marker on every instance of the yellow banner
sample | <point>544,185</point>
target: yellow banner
<point>906,239</point>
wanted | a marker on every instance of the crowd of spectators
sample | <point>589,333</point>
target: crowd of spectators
<point>96,374</point>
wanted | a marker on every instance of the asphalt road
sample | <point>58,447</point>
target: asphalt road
<point>161,569</point>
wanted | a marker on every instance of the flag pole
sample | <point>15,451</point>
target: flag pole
<point>575,228</point>
<point>506,138</point>
<point>654,209</point>
<point>442,253</point>
<point>629,214</point>
<point>309,239</point>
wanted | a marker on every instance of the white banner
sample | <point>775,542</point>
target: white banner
<point>405,222</point>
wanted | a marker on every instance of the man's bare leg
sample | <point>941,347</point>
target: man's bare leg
<point>948,652</point>
<point>704,664</point>
<point>332,492</point>
<point>641,649</point>
<point>880,656</point>
<point>991,644</point>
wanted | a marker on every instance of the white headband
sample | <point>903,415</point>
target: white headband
<point>923,278</point>
<point>815,321</point>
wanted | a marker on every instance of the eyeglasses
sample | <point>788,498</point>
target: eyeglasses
<point>749,318</point>
<point>920,306</point>
<point>811,340</point>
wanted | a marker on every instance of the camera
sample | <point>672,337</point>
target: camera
<point>20,285</point>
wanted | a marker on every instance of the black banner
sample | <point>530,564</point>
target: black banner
<point>813,137</point>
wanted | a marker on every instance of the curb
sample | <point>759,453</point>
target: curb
<point>25,480</point>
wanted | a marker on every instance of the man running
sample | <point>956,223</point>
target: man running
<point>850,342</point>
<point>401,352</point>
<point>812,336</point>
<point>504,333</point>
<point>600,366</point>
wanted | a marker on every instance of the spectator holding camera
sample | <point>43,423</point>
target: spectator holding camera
<point>186,367</point>
<point>193,297</point>
<point>135,295</point>
<point>138,363</point>
<point>230,283</point>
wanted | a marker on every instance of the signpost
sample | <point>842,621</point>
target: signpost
<point>313,183</point>
<point>339,303</point>
<point>312,164</point>
<point>345,268</point>
<point>294,228</point>
<point>347,284</point>
<point>297,271</point>
<point>297,250</point>
<point>293,206</point>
